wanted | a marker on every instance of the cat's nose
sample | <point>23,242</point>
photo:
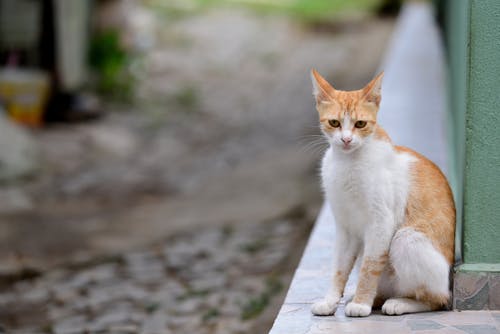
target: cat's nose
<point>346,140</point>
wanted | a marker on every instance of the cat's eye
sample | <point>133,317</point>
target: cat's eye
<point>334,123</point>
<point>360,124</point>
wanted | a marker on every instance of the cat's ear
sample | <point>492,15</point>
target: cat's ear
<point>372,91</point>
<point>322,90</point>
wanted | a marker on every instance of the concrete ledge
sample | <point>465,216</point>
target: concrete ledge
<point>483,267</point>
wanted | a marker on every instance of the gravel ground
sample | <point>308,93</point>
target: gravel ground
<point>217,280</point>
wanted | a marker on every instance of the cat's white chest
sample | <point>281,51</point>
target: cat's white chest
<point>364,186</point>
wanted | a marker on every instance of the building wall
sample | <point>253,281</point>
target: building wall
<point>472,31</point>
<point>472,35</point>
<point>481,238</point>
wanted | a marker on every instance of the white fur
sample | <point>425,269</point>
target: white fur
<point>367,187</point>
<point>398,306</point>
<point>417,263</point>
<point>326,306</point>
<point>357,310</point>
<point>346,127</point>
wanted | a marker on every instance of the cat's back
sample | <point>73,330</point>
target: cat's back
<point>430,208</point>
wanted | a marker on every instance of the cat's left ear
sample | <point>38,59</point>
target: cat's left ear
<point>372,91</point>
<point>323,92</point>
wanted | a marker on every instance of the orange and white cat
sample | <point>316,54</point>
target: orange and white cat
<point>392,206</point>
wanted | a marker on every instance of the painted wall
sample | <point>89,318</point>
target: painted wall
<point>481,232</point>
<point>472,30</point>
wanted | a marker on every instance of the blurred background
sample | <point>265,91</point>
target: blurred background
<point>158,158</point>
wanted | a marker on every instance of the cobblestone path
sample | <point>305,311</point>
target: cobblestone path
<point>213,280</point>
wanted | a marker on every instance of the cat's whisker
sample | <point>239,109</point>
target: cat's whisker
<point>316,146</point>
<point>306,137</point>
<point>312,139</point>
<point>316,141</point>
<point>312,145</point>
<point>311,135</point>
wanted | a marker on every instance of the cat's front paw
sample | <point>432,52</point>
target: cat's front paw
<point>324,307</point>
<point>357,310</point>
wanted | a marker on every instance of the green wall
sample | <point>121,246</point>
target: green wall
<point>481,231</point>
<point>472,34</point>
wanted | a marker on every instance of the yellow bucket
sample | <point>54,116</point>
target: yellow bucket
<point>24,94</point>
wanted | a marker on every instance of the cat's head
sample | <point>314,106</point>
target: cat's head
<point>347,118</point>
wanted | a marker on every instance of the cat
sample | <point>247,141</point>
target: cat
<point>393,208</point>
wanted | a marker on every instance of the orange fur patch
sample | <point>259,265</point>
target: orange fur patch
<point>340,279</point>
<point>430,209</point>
<point>435,301</point>
<point>371,269</point>
<point>380,134</point>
